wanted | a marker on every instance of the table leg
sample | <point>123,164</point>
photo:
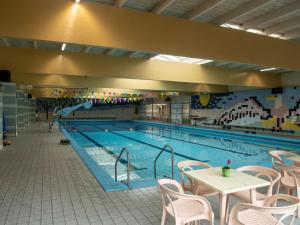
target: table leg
<point>253,195</point>
<point>223,204</point>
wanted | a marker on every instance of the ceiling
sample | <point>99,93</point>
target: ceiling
<point>280,18</point>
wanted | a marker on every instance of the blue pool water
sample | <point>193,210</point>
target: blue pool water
<point>99,143</point>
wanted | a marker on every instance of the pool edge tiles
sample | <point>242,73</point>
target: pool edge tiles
<point>220,131</point>
<point>101,176</point>
<point>113,135</point>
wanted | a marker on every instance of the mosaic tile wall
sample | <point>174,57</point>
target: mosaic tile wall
<point>254,108</point>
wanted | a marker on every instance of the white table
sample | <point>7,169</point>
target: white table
<point>238,181</point>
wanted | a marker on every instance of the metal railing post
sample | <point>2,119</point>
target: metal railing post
<point>128,166</point>
<point>172,159</point>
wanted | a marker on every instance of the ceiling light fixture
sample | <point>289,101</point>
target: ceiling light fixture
<point>204,61</point>
<point>181,59</point>
<point>77,1</point>
<point>255,31</point>
<point>232,26</point>
<point>63,46</point>
<point>280,36</point>
<point>268,69</point>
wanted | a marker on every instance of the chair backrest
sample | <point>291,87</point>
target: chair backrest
<point>268,174</point>
<point>279,213</point>
<point>292,172</point>
<point>189,165</point>
<point>171,191</point>
<point>276,155</point>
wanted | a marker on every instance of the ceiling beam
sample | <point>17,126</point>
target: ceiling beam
<point>150,55</point>
<point>87,49</point>
<point>292,34</point>
<point>113,27</point>
<point>61,81</point>
<point>283,26</point>
<point>273,15</point>
<point>162,6</point>
<point>35,44</point>
<point>120,3</point>
<point>5,41</point>
<point>109,51</point>
<point>31,61</point>
<point>130,54</point>
<point>240,11</point>
<point>203,8</point>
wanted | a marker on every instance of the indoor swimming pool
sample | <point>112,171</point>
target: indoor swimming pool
<point>99,143</point>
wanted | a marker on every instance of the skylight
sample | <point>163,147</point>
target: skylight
<point>181,59</point>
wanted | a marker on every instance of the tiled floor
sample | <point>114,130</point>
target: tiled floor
<point>42,182</point>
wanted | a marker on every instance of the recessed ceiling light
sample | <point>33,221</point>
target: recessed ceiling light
<point>204,61</point>
<point>255,31</point>
<point>280,36</point>
<point>63,46</point>
<point>77,1</point>
<point>268,69</point>
<point>232,26</point>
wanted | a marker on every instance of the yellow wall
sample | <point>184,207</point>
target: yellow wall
<point>104,25</point>
<point>30,61</point>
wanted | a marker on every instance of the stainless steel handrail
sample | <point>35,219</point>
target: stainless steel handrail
<point>172,159</point>
<point>128,166</point>
<point>54,116</point>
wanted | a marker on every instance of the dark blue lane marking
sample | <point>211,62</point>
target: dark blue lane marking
<point>123,161</point>
<point>186,132</point>
<point>177,139</point>
<point>153,146</point>
<point>199,135</point>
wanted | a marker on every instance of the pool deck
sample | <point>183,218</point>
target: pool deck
<point>43,183</point>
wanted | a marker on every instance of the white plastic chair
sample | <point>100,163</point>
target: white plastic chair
<point>184,208</point>
<point>290,180</point>
<point>265,173</point>
<point>268,174</point>
<point>268,214</point>
<point>277,155</point>
<point>189,184</point>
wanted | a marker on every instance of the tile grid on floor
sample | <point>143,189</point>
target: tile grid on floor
<point>44,183</point>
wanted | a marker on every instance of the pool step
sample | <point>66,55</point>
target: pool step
<point>144,183</point>
<point>107,163</point>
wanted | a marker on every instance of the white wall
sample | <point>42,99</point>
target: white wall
<point>209,113</point>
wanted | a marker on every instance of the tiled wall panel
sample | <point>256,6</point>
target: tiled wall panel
<point>20,110</point>
<point>9,106</point>
<point>1,121</point>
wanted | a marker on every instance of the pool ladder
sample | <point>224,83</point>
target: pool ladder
<point>128,166</point>
<point>164,149</point>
